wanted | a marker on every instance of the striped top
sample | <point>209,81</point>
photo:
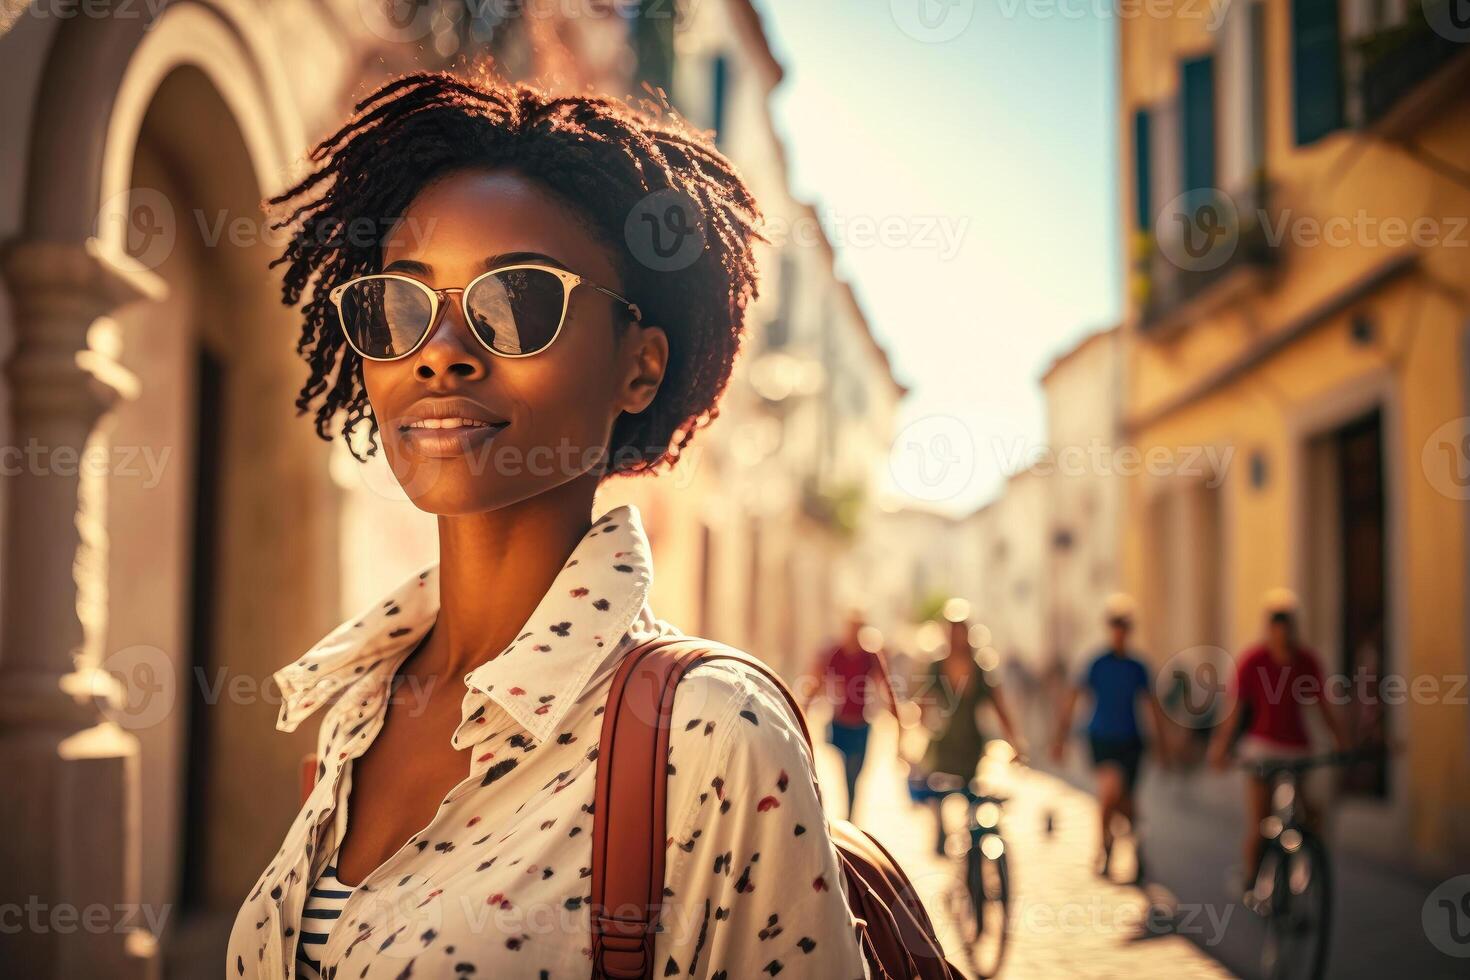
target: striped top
<point>323,908</point>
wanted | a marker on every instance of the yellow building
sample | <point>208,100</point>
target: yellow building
<point>1295,186</point>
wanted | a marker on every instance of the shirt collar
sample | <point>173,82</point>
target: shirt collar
<point>582,619</point>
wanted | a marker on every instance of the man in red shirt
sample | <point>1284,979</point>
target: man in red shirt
<point>844,675</point>
<point>1275,681</point>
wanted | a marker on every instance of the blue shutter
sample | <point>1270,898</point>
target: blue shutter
<point>718,85</point>
<point>1316,68</point>
<point>1142,173</point>
<point>1197,127</point>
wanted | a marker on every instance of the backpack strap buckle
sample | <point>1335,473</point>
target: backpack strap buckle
<point>622,946</point>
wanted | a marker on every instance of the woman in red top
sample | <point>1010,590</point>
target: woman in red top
<point>1274,681</point>
<point>850,667</point>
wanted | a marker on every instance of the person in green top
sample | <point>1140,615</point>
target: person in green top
<point>954,688</point>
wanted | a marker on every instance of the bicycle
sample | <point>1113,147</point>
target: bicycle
<point>980,901</point>
<point>1292,890</point>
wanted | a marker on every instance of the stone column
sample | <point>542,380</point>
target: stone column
<point>69,827</point>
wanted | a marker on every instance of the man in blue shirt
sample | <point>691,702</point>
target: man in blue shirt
<point>1116,680</point>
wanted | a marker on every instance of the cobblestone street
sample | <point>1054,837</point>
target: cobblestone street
<point>1065,920</point>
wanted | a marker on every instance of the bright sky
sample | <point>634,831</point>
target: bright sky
<point>1003,134</point>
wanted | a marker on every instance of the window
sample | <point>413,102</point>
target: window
<point>1142,169</point>
<point>1316,67</point>
<point>719,94</point>
<point>1197,105</point>
<point>778,331</point>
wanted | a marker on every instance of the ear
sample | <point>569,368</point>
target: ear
<point>646,356</point>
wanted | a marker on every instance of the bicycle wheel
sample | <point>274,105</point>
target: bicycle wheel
<point>1300,914</point>
<point>988,889</point>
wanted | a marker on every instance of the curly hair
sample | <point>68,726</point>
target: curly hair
<point>602,156</point>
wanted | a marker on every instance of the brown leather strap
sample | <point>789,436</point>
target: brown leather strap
<point>629,832</point>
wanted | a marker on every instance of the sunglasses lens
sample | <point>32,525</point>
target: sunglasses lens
<point>516,311</point>
<point>385,317</point>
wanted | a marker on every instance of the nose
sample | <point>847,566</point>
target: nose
<point>450,348</point>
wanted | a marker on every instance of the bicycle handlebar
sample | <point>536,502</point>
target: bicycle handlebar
<point>1271,765</point>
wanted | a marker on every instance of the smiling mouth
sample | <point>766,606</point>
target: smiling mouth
<point>458,423</point>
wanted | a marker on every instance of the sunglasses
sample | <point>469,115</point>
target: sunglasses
<point>513,311</point>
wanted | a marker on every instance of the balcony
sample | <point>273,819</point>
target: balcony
<point>1209,249</point>
<point>1405,71</point>
<point>838,506</point>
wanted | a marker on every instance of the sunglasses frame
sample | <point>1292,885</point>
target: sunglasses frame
<point>439,301</point>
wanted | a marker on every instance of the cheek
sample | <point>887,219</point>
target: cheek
<point>569,397</point>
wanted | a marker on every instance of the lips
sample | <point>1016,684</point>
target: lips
<point>443,427</point>
<point>449,437</point>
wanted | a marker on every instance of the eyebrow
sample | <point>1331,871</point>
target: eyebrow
<point>491,262</point>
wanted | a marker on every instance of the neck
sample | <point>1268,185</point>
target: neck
<point>495,567</point>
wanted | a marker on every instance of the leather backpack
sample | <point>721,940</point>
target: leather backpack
<point>628,836</point>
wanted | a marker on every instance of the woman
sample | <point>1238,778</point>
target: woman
<point>855,664</point>
<point>955,687</point>
<point>500,333</point>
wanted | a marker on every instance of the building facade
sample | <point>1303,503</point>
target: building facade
<point>1085,470</point>
<point>1295,195</point>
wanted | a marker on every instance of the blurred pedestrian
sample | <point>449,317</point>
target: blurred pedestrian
<point>950,697</point>
<point>1274,680</point>
<point>1117,679</point>
<point>844,675</point>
